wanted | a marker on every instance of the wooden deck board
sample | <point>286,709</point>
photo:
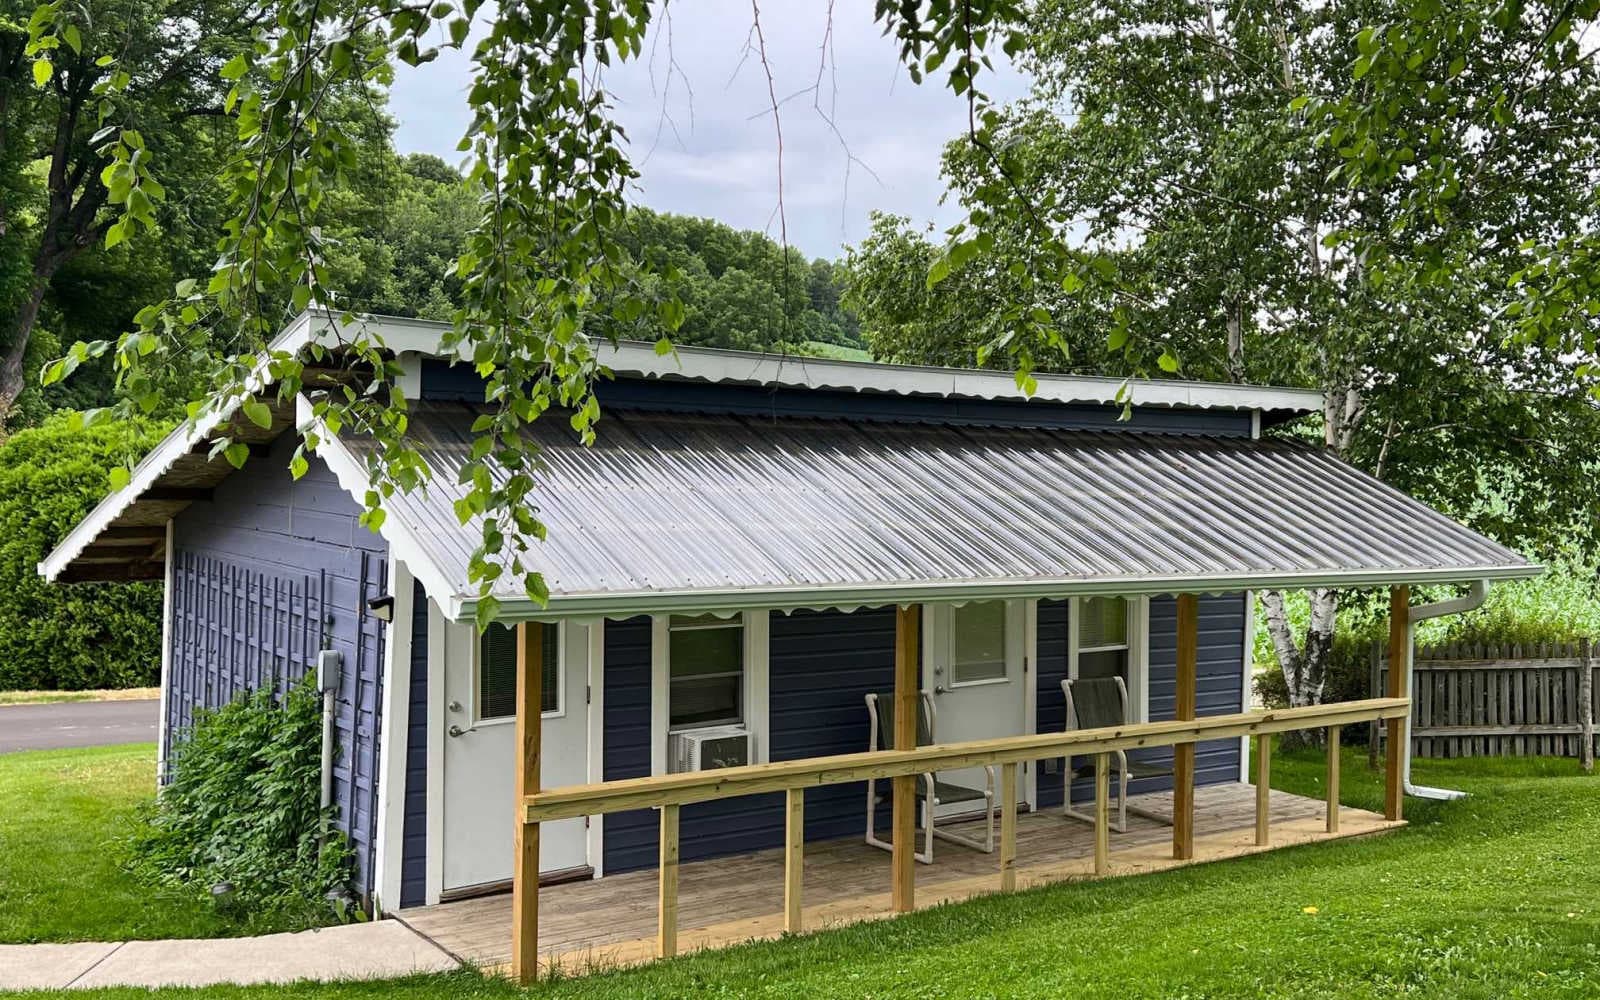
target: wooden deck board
<point>727,900</point>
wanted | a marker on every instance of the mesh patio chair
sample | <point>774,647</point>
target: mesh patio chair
<point>1097,703</point>
<point>932,792</point>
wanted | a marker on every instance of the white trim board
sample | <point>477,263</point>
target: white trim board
<point>393,739</point>
<point>166,655</point>
<point>756,687</point>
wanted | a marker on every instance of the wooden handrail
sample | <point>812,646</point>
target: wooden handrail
<point>755,779</point>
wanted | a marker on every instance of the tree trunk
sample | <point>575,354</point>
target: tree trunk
<point>1304,663</point>
<point>12,377</point>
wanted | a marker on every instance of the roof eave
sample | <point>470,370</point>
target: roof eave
<point>626,605</point>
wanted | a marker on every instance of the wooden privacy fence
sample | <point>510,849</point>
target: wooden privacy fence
<point>1478,700</point>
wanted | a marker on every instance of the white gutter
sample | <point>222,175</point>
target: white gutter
<point>1473,600</point>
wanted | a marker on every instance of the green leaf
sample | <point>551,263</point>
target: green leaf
<point>42,71</point>
<point>235,68</point>
<point>258,413</point>
<point>119,477</point>
<point>1168,361</point>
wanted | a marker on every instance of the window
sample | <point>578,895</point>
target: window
<point>978,646</point>
<point>497,671</point>
<point>1103,649</point>
<point>705,664</point>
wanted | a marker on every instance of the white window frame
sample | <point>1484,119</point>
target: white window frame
<point>756,676</point>
<point>1138,650</point>
<point>475,683</point>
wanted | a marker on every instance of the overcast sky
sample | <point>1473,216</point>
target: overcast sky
<point>715,154</point>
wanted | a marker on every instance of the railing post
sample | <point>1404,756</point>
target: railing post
<point>1263,789</point>
<point>1008,827</point>
<point>1399,656</point>
<point>794,856</point>
<point>1102,813</point>
<point>907,626</point>
<point>667,900</point>
<point>1333,778</point>
<point>1183,754</point>
<point>525,847</point>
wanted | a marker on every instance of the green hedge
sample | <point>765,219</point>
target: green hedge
<point>81,636</point>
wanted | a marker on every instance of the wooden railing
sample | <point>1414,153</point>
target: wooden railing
<point>669,792</point>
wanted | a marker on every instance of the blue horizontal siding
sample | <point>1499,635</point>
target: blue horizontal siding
<point>443,381</point>
<point>414,826</point>
<point>1050,670</point>
<point>1219,677</point>
<point>1219,670</point>
<point>823,664</point>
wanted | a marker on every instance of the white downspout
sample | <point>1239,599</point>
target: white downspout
<point>1471,601</point>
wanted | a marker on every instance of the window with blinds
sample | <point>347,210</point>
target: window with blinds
<point>978,646</point>
<point>1103,637</point>
<point>705,664</point>
<point>497,671</point>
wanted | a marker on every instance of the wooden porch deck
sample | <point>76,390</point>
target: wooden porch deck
<point>612,921</point>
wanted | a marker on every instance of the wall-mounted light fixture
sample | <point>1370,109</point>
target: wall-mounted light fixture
<point>382,608</point>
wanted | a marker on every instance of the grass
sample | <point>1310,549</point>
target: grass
<point>50,697</point>
<point>61,814</point>
<point>1488,897</point>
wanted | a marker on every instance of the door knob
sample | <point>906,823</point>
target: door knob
<point>938,689</point>
<point>455,731</point>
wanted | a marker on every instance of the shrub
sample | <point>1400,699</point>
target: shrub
<point>242,811</point>
<point>79,636</point>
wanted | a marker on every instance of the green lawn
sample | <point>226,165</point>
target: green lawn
<point>61,812</point>
<point>1494,896</point>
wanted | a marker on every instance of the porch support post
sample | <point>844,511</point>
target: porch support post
<point>1399,687</point>
<point>1263,790</point>
<point>667,889</point>
<point>1008,826</point>
<point>907,626</point>
<point>1333,778</point>
<point>794,859</point>
<point>525,850</point>
<point>1183,754</point>
<point>1102,813</point>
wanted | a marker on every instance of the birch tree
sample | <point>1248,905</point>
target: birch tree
<point>1170,139</point>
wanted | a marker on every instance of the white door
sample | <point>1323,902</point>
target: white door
<point>973,663</point>
<point>480,751</point>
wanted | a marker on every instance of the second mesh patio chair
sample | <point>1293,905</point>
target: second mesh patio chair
<point>932,792</point>
<point>1098,703</point>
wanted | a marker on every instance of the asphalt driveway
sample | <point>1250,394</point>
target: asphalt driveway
<point>77,724</point>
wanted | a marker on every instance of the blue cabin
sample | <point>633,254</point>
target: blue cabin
<point>725,564</point>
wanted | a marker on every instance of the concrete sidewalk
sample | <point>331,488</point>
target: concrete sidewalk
<point>377,950</point>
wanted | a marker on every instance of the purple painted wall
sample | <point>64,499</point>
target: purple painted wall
<point>267,573</point>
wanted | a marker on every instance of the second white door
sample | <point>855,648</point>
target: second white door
<point>974,663</point>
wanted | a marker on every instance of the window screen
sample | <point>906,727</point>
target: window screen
<point>497,671</point>
<point>978,647</point>
<point>705,662</point>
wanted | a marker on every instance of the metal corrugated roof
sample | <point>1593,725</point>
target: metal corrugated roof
<point>674,511</point>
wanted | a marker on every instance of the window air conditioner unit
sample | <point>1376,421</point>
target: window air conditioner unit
<point>708,748</point>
